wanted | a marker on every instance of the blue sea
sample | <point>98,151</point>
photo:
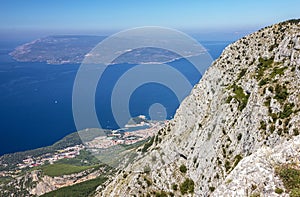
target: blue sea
<point>36,98</point>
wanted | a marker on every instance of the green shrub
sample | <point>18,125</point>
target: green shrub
<point>281,93</point>
<point>295,192</point>
<point>278,71</point>
<point>271,89</point>
<point>263,125</point>
<point>278,190</point>
<point>239,136</point>
<point>148,181</point>
<point>183,168</point>
<point>287,110</point>
<point>274,117</point>
<point>279,131</point>
<point>255,195</point>
<point>293,69</point>
<point>174,187</point>
<point>263,82</point>
<point>147,145</point>
<point>147,169</point>
<point>161,194</point>
<point>272,47</point>
<point>237,159</point>
<point>227,165</point>
<point>253,187</point>
<point>211,189</point>
<point>262,66</point>
<point>187,186</point>
<point>272,128</point>
<point>268,101</point>
<point>242,73</point>
<point>229,99</point>
<point>290,177</point>
<point>240,96</point>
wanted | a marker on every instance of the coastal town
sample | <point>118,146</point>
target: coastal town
<point>132,133</point>
<point>136,130</point>
<point>67,153</point>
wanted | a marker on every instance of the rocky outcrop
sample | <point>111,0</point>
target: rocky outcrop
<point>237,124</point>
<point>256,174</point>
<point>37,183</point>
<point>44,184</point>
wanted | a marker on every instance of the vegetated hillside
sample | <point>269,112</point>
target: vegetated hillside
<point>235,134</point>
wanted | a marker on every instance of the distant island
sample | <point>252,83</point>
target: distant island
<point>72,49</point>
<point>58,49</point>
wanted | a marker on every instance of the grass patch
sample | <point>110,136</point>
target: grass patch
<point>277,71</point>
<point>295,193</point>
<point>263,65</point>
<point>240,96</point>
<point>119,154</point>
<point>290,177</point>
<point>63,169</point>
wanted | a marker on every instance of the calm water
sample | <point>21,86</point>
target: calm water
<point>36,98</point>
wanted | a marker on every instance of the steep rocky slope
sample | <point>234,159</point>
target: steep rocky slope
<point>236,127</point>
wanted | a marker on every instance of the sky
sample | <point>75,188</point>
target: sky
<point>213,17</point>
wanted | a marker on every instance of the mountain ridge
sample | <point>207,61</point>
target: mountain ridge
<point>247,99</point>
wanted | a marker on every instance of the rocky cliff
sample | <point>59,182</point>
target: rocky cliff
<point>238,125</point>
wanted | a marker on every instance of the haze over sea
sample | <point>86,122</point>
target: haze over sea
<point>36,98</point>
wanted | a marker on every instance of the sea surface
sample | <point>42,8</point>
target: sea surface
<point>36,98</point>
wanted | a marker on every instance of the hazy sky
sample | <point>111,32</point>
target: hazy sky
<point>209,16</point>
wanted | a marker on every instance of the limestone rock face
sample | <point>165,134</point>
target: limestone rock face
<point>255,173</point>
<point>237,124</point>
